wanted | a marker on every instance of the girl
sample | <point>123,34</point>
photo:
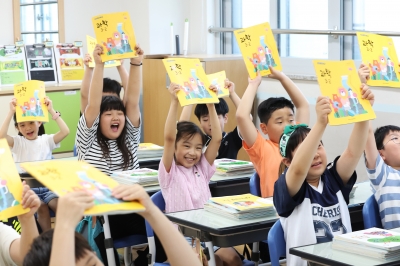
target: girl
<point>311,196</point>
<point>184,171</point>
<point>31,144</point>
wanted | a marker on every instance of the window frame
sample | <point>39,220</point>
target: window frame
<point>17,20</point>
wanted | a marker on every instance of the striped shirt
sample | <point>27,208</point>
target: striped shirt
<point>88,147</point>
<point>385,181</point>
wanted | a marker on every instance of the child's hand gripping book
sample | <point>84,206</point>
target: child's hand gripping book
<point>218,80</point>
<point>30,101</point>
<point>259,50</point>
<point>10,185</point>
<point>189,74</point>
<point>65,176</point>
<point>91,44</point>
<point>379,53</point>
<point>339,81</point>
<point>115,32</point>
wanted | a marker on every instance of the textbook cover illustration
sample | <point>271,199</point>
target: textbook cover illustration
<point>40,61</point>
<point>69,62</point>
<point>379,53</point>
<point>30,101</point>
<point>218,80</point>
<point>339,81</point>
<point>189,73</point>
<point>259,50</point>
<point>63,177</point>
<point>10,185</point>
<point>91,44</point>
<point>12,65</point>
<point>115,32</point>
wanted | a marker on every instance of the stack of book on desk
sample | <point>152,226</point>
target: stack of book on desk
<point>374,242</point>
<point>149,150</point>
<point>233,167</point>
<point>143,176</point>
<point>246,206</point>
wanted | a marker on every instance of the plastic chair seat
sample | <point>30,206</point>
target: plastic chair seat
<point>276,243</point>
<point>248,263</point>
<point>370,213</point>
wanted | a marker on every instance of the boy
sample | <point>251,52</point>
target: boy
<point>382,160</point>
<point>64,247</point>
<point>274,115</point>
<point>231,143</point>
<point>14,247</point>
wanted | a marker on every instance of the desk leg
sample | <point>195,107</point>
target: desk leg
<point>210,247</point>
<point>108,242</point>
<point>255,254</point>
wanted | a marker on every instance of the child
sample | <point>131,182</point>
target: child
<point>311,196</point>
<point>31,144</point>
<point>231,142</point>
<point>184,171</point>
<point>274,114</point>
<point>64,246</point>
<point>110,86</point>
<point>382,159</point>
<point>14,247</point>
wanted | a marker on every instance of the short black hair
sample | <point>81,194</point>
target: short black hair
<point>295,140</point>
<point>187,129</point>
<point>381,133</point>
<point>40,252</point>
<point>270,105</point>
<point>41,130</point>
<point>112,86</point>
<point>221,108</point>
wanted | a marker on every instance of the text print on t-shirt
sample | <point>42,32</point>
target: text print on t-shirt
<point>327,222</point>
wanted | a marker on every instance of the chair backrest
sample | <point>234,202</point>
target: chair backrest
<point>255,185</point>
<point>371,214</point>
<point>276,243</point>
<point>75,152</point>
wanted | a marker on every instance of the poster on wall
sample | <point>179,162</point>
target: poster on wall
<point>12,65</point>
<point>41,63</point>
<point>70,66</point>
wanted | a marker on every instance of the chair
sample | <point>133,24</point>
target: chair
<point>371,214</point>
<point>255,185</point>
<point>75,151</point>
<point>127,243</point>
<point>276,243</point>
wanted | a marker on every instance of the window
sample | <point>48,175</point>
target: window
<point>36,21</point>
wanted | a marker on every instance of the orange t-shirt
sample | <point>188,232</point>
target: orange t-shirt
<point>266,158</point>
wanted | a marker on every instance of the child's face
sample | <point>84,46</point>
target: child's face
<point>188,151</point>
<point>205,123</point>
<point>89,259</point>
<point>391,150</point>
<point>112,123</point>
<point>29,129</point>
<point>277,122</point>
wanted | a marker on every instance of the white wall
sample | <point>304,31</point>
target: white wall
<point>6,15</point>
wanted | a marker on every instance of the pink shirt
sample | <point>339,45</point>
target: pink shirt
<point>185,188</point>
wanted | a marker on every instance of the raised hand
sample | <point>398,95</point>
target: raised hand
<point>366,93</point>
<point>275,74</point>
<point>98,51</point>
<point>173,89</point>
<point>139,52</point>
<point>323,109</point>
<point>363,73</point>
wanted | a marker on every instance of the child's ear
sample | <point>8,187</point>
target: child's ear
<point>263,128</point>
<point>381,153</point>
<point>286,161</point>
<point>225,118</point>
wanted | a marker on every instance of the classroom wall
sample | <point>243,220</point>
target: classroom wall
<point>6,14</point>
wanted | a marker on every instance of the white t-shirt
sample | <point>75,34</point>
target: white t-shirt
<point>7,236</point>
<point>40,149</point>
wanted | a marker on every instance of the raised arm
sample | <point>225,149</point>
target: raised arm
<point>96,88</point>
<point>87,77</point>
<point>186,113</point>
<point>213,147</point>
<point>170,128</point>
<point>64,130</point>
<point>349,159</point>
<point>247,129</point>
<point>132,91</point>
<point>6,123</point>
<point>304,156</point>
<point>123,74</point>
<point>371,152</point>
<point>232,93</point>
<point>297,97</point>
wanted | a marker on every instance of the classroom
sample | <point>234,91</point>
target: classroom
<point>108,109</point>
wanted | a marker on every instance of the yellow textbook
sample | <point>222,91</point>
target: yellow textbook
<point>218,80</point>
<point>115,32</point>
<point>189,73</point>
<point>242,203</point>
<point>30,101</point>
<point>379,53</point>
<point>63,177</point>
<point>339,81</point>
<point>10,185</point>
<point>91,44</point>
<point>259,50</point>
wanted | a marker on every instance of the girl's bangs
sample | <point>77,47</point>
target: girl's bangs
<point>110,102</point>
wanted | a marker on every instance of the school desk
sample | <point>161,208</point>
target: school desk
<point>323,254</point>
